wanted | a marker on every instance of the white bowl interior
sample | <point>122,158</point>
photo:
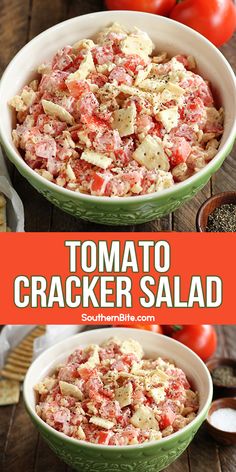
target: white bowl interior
<point>153,345</point>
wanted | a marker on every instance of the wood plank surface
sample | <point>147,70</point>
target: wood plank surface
<point>227,455</point>
<point>225,178</point>
<point>45,460</point>
<point>6,419</point>
<point>13,12</point>
<point>21,446</point>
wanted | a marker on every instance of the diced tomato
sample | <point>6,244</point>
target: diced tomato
<point>195,111</point>
<point>183,60</point>
<point>76,356</point>
<point>62,415</point>
<point>167,418</point>
<point>119,75</point>
<point>170,103</point>
<point>130,433</point>
<point>107,142</point>
<point>86,373</point>
<point>62,59</point>
<point>140,103</point>
<point>77,87</point>
<point>36,110</point>
<point>68,372</point>
<point>93,385</point>
<point>129,359</point>
<point>38,163</point>
<point>83,172</point>
<point>94,124</point>
<point>49,125</point>
<point>203,91</point>
<point>88,104</point>
<point>107,394</point>
<point>182,378</point>
<point>158,130</point>
<point>104,437</point>
<point>98,184</point>
<point>103,54</point>
<point>53,81</point>
<point>185,131</point>
<point>76,62</point>
<point>105,116</point>
<point>120,366</point>
<point>138,396</point>
<point>187,82</point>
<point>144,123</point>
<point>132,62</point>
<point>124,419</point>
<point>180,151</point>
<point>198,88</point>
<point>163,69</point>
<point>117,188</point>
<point>216,128</point>
<point>110,410</point>
<point>180,375</point>
<point>133,177</point>
<point>46,148</point>
<point>98,79</point>
<point>122,157</point>
<point>176,391</point>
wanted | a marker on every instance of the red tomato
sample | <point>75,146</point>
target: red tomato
<point>215,19</point>
<point>202,339</point>
<point>167,419</point>
<point>160,7</point>
<point>77,87</point>
<point>104,437</point>
<point>88,104</point>
<point>98,184</point>
<point>153,328</point>
<point>180,151</point>
<point>85,373</point>
<point>168,329</point>
<point>132,62</point>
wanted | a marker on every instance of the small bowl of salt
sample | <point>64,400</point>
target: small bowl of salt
<point>221,421</point>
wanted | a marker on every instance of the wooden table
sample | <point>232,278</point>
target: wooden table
<point>22,450</point>
<point>21,20</point>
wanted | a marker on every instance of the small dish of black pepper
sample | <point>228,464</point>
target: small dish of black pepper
<point>218,214</point>
<point>223,373</point>
<point>222,220</point>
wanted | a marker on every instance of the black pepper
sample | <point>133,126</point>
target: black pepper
<point>223,219</point>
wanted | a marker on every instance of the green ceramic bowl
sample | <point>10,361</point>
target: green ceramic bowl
<point>167,35</point>
<point>149,457</point>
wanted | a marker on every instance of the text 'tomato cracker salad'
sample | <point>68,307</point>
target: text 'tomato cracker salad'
<point>112,395</point>
<point>109,118</point>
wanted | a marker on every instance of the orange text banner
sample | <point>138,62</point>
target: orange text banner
<point>114,278</point>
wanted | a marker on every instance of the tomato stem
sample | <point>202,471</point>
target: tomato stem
<point>177,327</point>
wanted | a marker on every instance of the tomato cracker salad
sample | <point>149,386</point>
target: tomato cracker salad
<point>112,395</point>
<point>110,118</point>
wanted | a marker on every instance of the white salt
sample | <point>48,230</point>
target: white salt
<point>224,419</point>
